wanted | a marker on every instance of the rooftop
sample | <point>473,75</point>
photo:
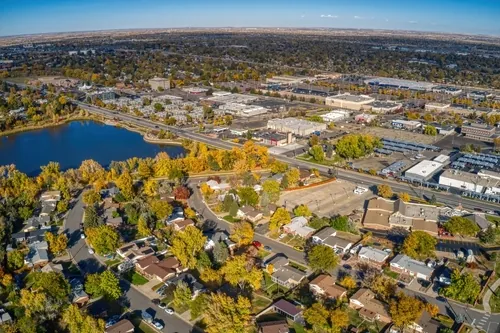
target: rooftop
<point>373,254</point>
<point>287,307</point>
<point>352,98</point>
<point>466,177</point>
<point>412,265</point>
<point>424,168</point>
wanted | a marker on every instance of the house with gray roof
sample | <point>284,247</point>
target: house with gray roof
<point>298,226</point>
<point>403,264</point>
<point>373,256</point>
<point>328,236</point>
<point>480,220</point>
<point>288,309</point>
<point>283,274</point>
<point>38,254</point>
<point>218,237</point>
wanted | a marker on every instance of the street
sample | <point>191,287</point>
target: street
<point>87,263</point>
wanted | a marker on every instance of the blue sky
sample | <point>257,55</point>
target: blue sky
<point>40,16</point>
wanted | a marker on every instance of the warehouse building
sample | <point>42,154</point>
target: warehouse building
<point>159,83</point>
<point>288,80</point>
<point>406,124</point>
<point>336,115</point>
<point>424,170</point>
<point>295,126</point>
<point>479,95</point>
<point>436,106</point>
<point>481,132</point>
<point>243,110</point>
<point>383,106</point>
<point>348,101</point>
<point>365,118</point>
<point>400,84</point>
<point>465,180</point>
<point>447,90</point>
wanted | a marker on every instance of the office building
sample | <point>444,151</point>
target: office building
<point>159,83</point>
<point>424,170</point>
<point>480,95</point>
<point>481,132</point>
<point>406,124</point>
<point>336,115</point>
<point>400,84</point>
<point>436,106</point>
<point>348,101</point>
<point>447,90</point>
<point>384,106</point>
<point>466,181</point>
<point>296,126</point>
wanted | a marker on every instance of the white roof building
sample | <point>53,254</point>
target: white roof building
<point>295,126</point>
<point>423,170</point>
<point>372,254</point>
<point>436,106</point>
<point>336,115</point>
<point>400,84</point>
<point>348,101</point>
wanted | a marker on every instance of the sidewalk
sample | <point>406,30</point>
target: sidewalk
<point>487,295</point>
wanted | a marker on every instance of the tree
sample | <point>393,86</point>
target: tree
<point>278,167</point>
<point>224,314</point>
<point>405,310</point>
<point>248,196</point>
<point>103,284</point>
<point>314,140</point>
<point>181,193</point>
<point>302,210</point>
<point>279,218</point>
<point>317,153</point>
<point>348,282</point>
<point>404,196</point>
<point>242,233</point>
<point>126,185</point>
<point>341,223</point>
<point>384,191</point>
<point>91,197</point>
<point>419,245</point>
<point>15,260</point>
<point>78,321</point>
<point>322,258</point>
<point>489,235</point>
<point>272,189</point>
<point>161,209</point>
<point>354,146</point>
<point>143,227</point>
<point>33,302</point>
<point>458,225</point>
<point>198,306</point>
<point>187,244</point>
<point>463,288</point>
<point>57,243</point>
<point>430,130</point>
<point>144,170</point>
<point>384,287</point>
<point>233,209</point>
<point>91,219</point>
<point>182,295</point>
<point>323,320</point>
<point>104,239</point>
<point>237,271</point>
<point>220,252</point>
<point>203,261</point>
<point>293,177</point>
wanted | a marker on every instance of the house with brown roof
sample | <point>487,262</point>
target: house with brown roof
<point>181,225</point>
<point>324,286</point>
<point>370,308</point>
<point>154,268</point>
<point>277,326</point>
<point>288,309</point>
<point>386,214</point>
<point>249,213</point>
<point>123,326</point>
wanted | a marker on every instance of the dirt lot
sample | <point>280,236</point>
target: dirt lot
<point>327,200</point>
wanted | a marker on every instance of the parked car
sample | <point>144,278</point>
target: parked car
<point>169,311</point>
<point>82,235</point>
<point>257,244</point>
<point>267,248</point>
<point>157,324</point>
<point>91,251</point>
<point>162,305</point>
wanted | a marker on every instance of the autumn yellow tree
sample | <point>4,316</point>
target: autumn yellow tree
<point>242,233</point>
<point>384,191</point>
<point>57,243</point>
<point>126,185</point>
<point>404,196</point>
<point>239,272</point>
<point>187,244</point>
<point>224,314</point>
<point>91,197</point>
<point>280,217</point>
<point>348,282</point>
<point>405,310</point>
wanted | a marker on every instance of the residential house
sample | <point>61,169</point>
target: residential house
<point>38,254</point>
<point>480,220</point>
<point>288,309</point>
<point>369,308</point>
<point>5,317</point>
<point>181,225</point>
<point>135,251</point>
<point>108,203</point>
<point>424,324</point>
<point>298,226</point>
<point>328,236</point>
<point>110,192</point>
<point>177,215</point>
<point>276,326</point>
<point>215,186</point>
<point>218,237</point>
<point>283,274</point>
<point>277,177</point>
<point>78,295</point>
<point>373,256</point>
<point>324,286</point>
<point>190,280</point>
<point>386,214</point>
<point>304,175</point>
<point>33,223</point>
<point>30,237</point>
<point>123,326</point>
<point>112,218</point>
<point>51,267</point>
<point>405,265</point>
<point>50,196</point>
<point>249,213</point>
<point>154,268</point>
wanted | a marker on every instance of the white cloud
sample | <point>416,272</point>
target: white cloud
<point>357,17</point>
<point>302,16</point>
<point>413,22</point>
<point>328,16</point>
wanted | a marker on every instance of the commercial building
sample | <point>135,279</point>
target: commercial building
<point>400,84</point>
<point>295,126</point>
<point>406,124</point>
<point>423,170</point>
<point>365,118</point>
<point>348,101</point>
<point>481,132</point>
<point>276,139</point>
<point>159,83</point>
<point>447,90</point>
<point>288,79</point>
<point>466,181</point>
<point>394,169</point>
<point>336,115</point>
<point>436,106</point>
<point>384,106</point>
<point>479,95</point>
<point>243,110</point>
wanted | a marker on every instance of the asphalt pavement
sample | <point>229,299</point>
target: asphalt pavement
<point>133,299</point>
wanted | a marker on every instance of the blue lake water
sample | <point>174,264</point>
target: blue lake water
<point>72,143</point>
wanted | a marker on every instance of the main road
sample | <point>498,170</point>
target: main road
<point>87,263</point>
<point>443,197</point>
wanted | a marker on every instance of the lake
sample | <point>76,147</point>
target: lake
<point>74,142</point>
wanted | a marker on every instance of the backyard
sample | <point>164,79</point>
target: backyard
<point>135,278</point>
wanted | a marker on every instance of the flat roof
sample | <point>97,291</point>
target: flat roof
<point>296,123</point>
<point>400,83</point>
<point>467,177</point>
<point>385,104</point>
<point>406,122</point>
<point>352,98</point>
<point>424,168</point>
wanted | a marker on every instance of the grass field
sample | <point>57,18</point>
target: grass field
<point>141,326</point>
<point>495,301</point>
<point>112,262</point>
<point>135,278</point>
<point>259,303</point>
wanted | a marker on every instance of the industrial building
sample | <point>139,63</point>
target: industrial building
<point>481,132</point>
<point>348,101</point>
<point>480,95</point>
<point>295,126</point>
<point>394,169</point>
<point>406,124</point>
<point>423,171</point>
<point>365,118</point>
<point>436,106</point>
<point>243,110</point>
<point>336,115</point>
<point>447,90</point>
<point>232,98</point>
<point>466,181</point>
<point>384,106</point>
<point>288,80</point>
<point>274,138</point>
<point>400,84</point>
<point>159,83</point>
<point>103,95</point>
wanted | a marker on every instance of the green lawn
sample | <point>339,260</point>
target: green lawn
<point>495,301</point>
<point>390,273</point>
<point>298,266</point>
<point>141,326</point>
<point>112,262</point>
<point>493,219</point>
<point>298,328</point>
<point>180,309</point>
<point>135,278</point>
<point>259,303</point>
<point>231,219</point>
<point>263,253</point>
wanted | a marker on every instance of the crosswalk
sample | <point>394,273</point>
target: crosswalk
<point>482,323</point>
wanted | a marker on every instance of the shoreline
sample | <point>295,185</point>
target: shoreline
<point>161,141</point>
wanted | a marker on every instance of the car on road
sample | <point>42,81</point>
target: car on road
<point>156,126</point>
<point>257,244</point>
<point>162,305</point>
<point>91,251</point>
<point>82,235</point>
<point>170,311</point>
<point>157,324</point>
<point>267,248</point>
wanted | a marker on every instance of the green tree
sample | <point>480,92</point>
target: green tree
<point>224,314</point>
<point>220,252</point>
<point>233,209</point>
<point>317,153</point>
<point>280,217</point>
<point>272,189</point>
<point>419,245</point>
<point>430,130</point>
<point>302,210</point>
<point>103,284</point>
<point>341,223</point>
<point>458,225</point>
<point>278,167</point>
<point>354,146</point>
<point>182,295</point>
<point>57,243</point>
<point>52,284</point>
<point>323,320</point>
<point>104,239</point>
<point>385,191</point>
<point>463,288</point>
<point>248,196</point>
<point>238,272</point>
<point>322,258</point>
<point>91,197</point>
<point>198,306</point>
<point>15,260</point>
<point>91,218</point>
<point>187,244</point>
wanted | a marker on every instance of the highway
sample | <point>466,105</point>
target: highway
<point>133,299</point>
<point>364,179</point>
